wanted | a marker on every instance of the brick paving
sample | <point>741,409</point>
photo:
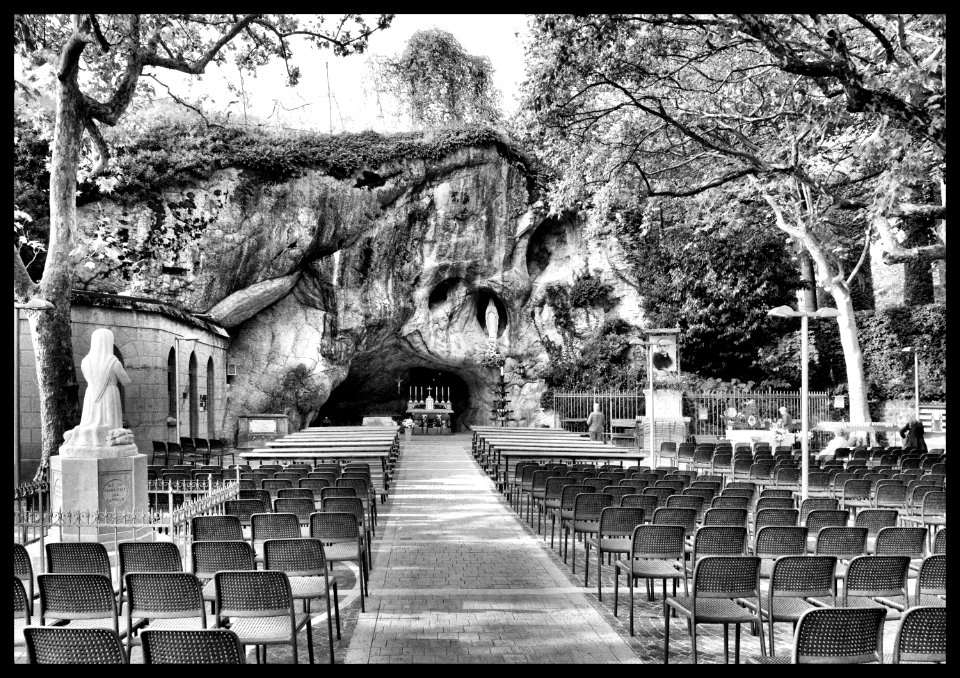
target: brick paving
<point>459,578</point>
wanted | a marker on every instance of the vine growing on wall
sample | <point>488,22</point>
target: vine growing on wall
<point>298,394</point>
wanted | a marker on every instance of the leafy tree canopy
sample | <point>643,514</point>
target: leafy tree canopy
<point>439,83</point>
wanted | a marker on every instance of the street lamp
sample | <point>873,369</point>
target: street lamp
<point>34,304</point>
<point>176,377</point>
<point>787,312</point>
<point>916,378</point>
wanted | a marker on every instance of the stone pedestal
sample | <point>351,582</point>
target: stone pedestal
<point>105,485</point>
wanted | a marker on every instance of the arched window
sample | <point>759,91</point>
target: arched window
<point>123,391</point>
<point>194,405</point>
<point>172,383</point>
<point>211,414</point>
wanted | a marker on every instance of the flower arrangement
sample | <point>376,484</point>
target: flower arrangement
<point>490,355</point>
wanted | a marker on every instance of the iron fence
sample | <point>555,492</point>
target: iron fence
<point>110,528</point>
<point>707,411</point>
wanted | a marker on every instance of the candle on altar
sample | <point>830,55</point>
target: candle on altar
<point>501,370</point>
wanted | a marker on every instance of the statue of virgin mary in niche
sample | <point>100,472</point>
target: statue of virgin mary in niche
<point>492,320</point>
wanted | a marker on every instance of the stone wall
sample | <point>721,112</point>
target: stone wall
<point>144,340</point>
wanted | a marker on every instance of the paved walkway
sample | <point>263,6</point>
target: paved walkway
<point>459,578</point>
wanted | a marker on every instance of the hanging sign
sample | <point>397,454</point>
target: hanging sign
<point>838,402</point>
<point>702,413</point>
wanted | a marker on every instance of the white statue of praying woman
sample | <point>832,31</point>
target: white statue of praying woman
<point>101,423</point>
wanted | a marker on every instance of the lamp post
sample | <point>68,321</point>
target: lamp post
<point>176,376</point>
<point>787,312</point>
<point>916,379</point>
<point>34,304</point>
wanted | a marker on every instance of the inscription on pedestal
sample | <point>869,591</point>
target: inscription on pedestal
<point>114,492</point>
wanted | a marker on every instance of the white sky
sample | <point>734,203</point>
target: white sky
<point>497,36</point>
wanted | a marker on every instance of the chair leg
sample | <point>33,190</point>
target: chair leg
<point>336,607</point>
<point>736,644</point>
<point>726,643</point>
<point>666,633</point>
<point>586,565</point>
<point>630,579</point>
<point>599,571</point>
<point>616,588</point>
<point>573,561</point>
<point>330,626</point>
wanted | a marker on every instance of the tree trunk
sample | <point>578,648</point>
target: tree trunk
<point>51,331</point>
<point>852,355</point>
<point>807,277</point>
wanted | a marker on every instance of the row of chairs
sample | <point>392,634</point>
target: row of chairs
<point>78,586</point>
<point>71,645</point>
<point>194,450</point>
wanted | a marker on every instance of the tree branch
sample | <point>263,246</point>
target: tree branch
<point>878,34</point>
<point>23,286</point>
<point>863,255</point>
<point>894,253</point>
<point>103,151</point>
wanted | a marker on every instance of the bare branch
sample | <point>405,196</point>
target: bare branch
<point>183,103</point>
<point>863,255</point>
<point>23,286</point>
<point>878,34</point>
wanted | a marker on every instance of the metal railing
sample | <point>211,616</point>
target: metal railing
<point>707,410</point>
<point>110,528</point>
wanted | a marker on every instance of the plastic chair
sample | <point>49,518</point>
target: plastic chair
<point>899,541</point>
<point>776,516</point>
<point>259,605</point>
<point>817,504</point>
<point>719,583</point>
<point>296,493</point>
<point>210,557</point>
<point>717,540</point>
<point>73,645</point>
<point>21,612</point>
<point>85,600</point>
<point>845,543</point>
<point>834,636</point>
<point>300,507</point>
<point>921,636</point>
<point>730,502</point>
<point>342,541</point>
<point>819,519</point>
<point>23,570</point>
<point>940,542</point>
<point>773,502</point>
<point>874,581</point>
<point>159,452</point>
<point>305,565</point>
<point>792,580</point>
<point>147,556</point>
<point>642,501</point>
<point>216,528</point>
<point>167,600</point>
<point>281,525</point>
<point>198,646</point>
<point>726,516</point>
<point>585,520</point>
<point>931,582</point>
<point>656,552</point>
<point>875,520</point>
<point>355,506</point>
<point>614,535</point>
<point>774,541</point>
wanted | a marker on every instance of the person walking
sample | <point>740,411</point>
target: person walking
<point>912,434</point>
<point>595,423</point>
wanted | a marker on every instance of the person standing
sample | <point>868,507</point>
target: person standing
<point>912,434</point>
<point>595,423</point>
<point>786,421</point>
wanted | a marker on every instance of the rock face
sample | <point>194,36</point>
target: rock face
<point>366,282</point>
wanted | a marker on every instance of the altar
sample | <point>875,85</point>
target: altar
<point>435,419</point>
<point>759,435</point>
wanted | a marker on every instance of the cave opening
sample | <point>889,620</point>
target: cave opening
<point>371,390</point>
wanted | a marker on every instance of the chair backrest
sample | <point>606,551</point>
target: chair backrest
<point>271,485</point>
<point>833,635</point>
<point>244,508</point>
<point>727,577</point>
<point>637,484</point>
<point>588,505</point>
<point>675,485</point>
<point>314,485</point>
<point>298,557</point>
<point>730,502</point>
<point>661,493</point>
<point>71,645</point>
<point>725,516</point>
<point>88,557</point>
<point>618,521</point>
<point>661,542</point>
<point>776,516</point>
<point>328,468</point>
<point>719,540</point>
<point>595,484</point>
<point>617,492</point>
<point>817,504</point>
<point>361,485</point>
<point>337,492</point>
<point>160,595</point>
<point>802,576</point>
<point>298,506</point>
<point>539,481</point>
<point>921,636</point>
<point>773,503</point>
<point>932,578</point>
<point>857,489</point>
<point>891,493</point>
<point>685,517</point>
<point>196,646</point>
<point>216,528</point>
<point>209,557</point>
<point>23,567</point>
<point>569,494</point>
<point>901,541</point>
<point>296,493</point>
<point>773,541</point>
<point>940,541</point>
<point>554,487</point>
<point>691,501</point>
<point>149,556</point>
<point>253,593</point>
<point>21,604</point>
<point>843,542</point>
<point>332,527</point>
<point>934,503</point>
<point>817,520</point>
<point>875,576</point>
<point>77,596</point>
<point>876,519</point>
<point>292,476</point>
<point>352,505</point>
<point>646,502</point>
<point>278,525</point>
